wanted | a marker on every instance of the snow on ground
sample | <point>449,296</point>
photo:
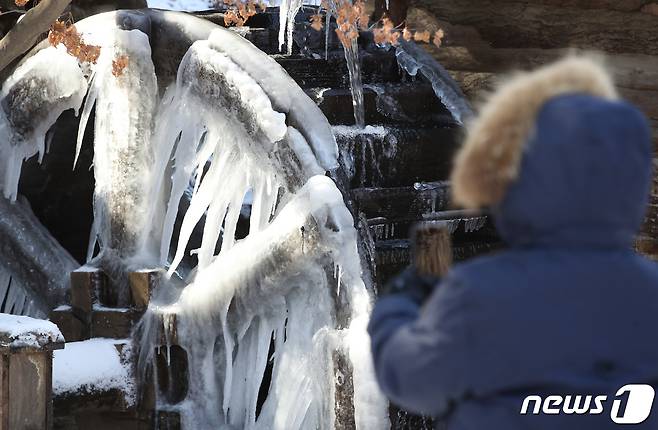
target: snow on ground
<point>22,332</point>
<point>93,365</point>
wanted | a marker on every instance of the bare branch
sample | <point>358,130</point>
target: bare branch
<point>25,33</point>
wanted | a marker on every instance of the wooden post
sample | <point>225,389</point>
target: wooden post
<point>142,285</point>
<point>87,286</point>
<point>26,358</point>
<point>431,248</point>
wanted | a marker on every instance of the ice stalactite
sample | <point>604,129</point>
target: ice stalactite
<point>351,52</point>
<point>276,287</point>
<point>287,13</point>
<point>209,118</point>
<point>270,323</point>
<point>356,85</point>
<point>31,100</point>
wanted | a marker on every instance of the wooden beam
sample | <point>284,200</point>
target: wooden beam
<point>26,32</point>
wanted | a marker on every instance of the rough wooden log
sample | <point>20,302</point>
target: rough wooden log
<point>113,323</point>
<point>27,31</point>
<point>402,203</point>
<point>635,71</point>
<point>332,73</point>
<point>412,103</point>
<point>512,24</point>
<point>620,5</point>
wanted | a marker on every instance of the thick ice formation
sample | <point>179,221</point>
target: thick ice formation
<point>123,154</point>
<point>274,286</point>
<point>218,113</point>
<point>288,300</point>
<point>275,282</point>
<point>31,99</point>
<point>285,95</point>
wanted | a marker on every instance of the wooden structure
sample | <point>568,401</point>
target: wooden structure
<point>486,40</point>
<point>26,373</point>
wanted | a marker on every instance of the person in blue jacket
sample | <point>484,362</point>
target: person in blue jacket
<point>560,329</point>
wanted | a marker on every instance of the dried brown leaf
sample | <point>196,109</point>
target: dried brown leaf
<point>119,64</point>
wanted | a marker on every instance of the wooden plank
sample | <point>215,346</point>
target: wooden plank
<point>514,24</point>
<point>395,157</point>
<point>169,420</point>
<point>344,392</point>
<point>86,287</point>
<point>402,203</point>
<point>113,323</point>
<point>72,327</point>
<point>4,392</point>
<point>47,380</point>
<point>28,404</point>
<point>332,73</point>
<point>412,104</point>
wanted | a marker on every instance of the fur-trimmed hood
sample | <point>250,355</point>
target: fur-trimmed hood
<point>555,150</point>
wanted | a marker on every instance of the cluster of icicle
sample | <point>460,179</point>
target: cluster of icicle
<point>294,282</point>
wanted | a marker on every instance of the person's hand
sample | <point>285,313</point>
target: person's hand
<point>411,283</point>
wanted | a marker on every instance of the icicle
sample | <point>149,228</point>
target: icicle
<point>90,100</point>
<point>356,86</point>
<point>287,13</point>
<point>327,28</point>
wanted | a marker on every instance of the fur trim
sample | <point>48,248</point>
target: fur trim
<point>490,157</point>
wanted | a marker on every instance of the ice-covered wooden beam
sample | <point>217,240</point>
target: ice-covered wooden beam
<point>31,99</point>
<point>26,346</point>
<point>32,258</point>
